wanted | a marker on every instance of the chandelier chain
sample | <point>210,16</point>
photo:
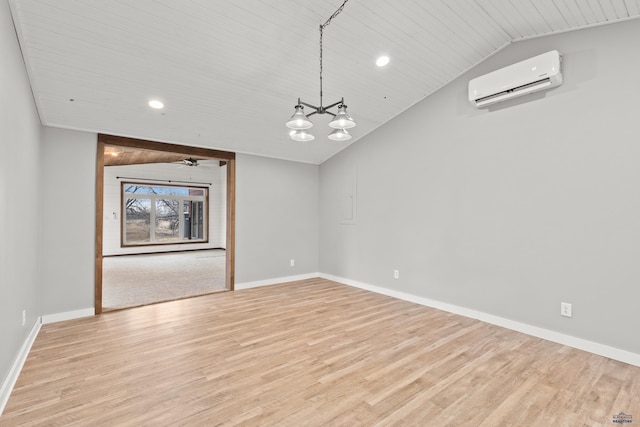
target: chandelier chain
<point>336,13</point>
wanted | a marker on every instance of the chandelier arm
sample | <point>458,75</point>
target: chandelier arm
<point>308,105</point>
<point>321,112</point>
<point>341,102</point>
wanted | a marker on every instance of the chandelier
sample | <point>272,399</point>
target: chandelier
<point>299,122</point>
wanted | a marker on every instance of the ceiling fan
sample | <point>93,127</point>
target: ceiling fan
<point>191,162</point>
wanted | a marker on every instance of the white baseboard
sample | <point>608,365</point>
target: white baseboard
<point>279,280</point>
<point>568,340</point>
<point>16,368</point>
<point>68,315</point>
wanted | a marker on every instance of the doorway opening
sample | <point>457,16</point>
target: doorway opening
<point>165,217</point>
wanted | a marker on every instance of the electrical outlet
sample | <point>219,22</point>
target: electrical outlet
<point>292,262</point>
<point>396,274</point>
<point>565,309</point>
<point>24,317</point>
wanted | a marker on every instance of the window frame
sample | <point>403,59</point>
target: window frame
<point>152,219</point>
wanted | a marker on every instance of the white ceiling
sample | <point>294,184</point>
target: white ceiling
<point>230,72</point>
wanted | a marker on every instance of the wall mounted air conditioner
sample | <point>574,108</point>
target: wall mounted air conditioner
<point>528,76</point>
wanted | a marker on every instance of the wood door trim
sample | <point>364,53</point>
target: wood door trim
<point>112,140</point>
<point>145,144</point>
<point>231,225</point>
<point>99,224</point>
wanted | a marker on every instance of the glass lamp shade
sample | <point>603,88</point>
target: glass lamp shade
<point>340,135</point>
<point>301,135</point>
<point>342,120</point>
<point>299,121</point>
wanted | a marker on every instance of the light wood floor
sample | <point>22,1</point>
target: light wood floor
<point>310,353</point>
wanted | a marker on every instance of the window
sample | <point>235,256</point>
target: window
<point>155,215</point>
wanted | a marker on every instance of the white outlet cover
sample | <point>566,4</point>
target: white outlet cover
<point>565,309</point>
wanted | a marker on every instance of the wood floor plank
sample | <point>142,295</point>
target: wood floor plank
<point>311,352</point>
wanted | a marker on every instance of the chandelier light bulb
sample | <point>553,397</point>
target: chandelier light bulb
<point>340,135</point>
<point>342,120</point>
<point>301,135</point>
<point>299,121</point>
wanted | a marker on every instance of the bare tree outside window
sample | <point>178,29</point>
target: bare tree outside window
<point>167,220</point>
<point>138,221</point>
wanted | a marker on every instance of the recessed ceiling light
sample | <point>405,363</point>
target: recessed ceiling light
<point>382,61</point>
<point>154,103</point>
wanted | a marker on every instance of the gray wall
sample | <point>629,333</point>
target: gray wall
<point>19,197</point>
<point>276,218</point>
<point>68,206</point>
<point>509,211</point>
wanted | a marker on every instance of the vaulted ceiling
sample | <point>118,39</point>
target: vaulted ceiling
<point>230,72</point>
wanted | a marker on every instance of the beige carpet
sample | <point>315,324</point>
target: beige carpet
<point>133,280</point>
